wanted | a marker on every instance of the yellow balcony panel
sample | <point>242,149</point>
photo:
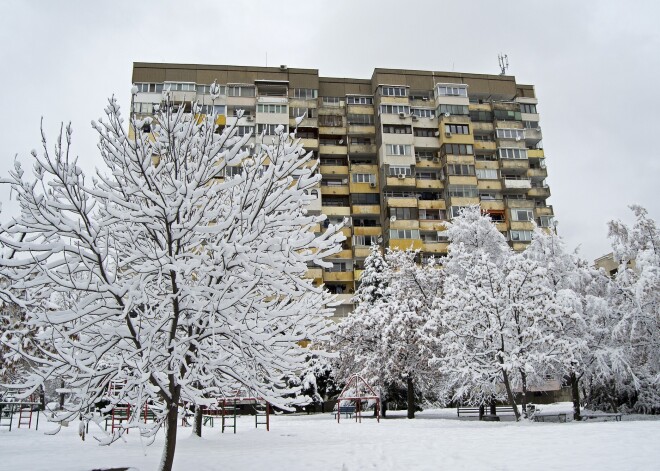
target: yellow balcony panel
<point>436,247</point>
<point>357,274</point>
<point>493,205</point>
<point>335,190</point>
<point>455,138</point>
<point>544,211</point>
<point>405,244</point>
<point>332,150</point>
<point>332,130</point>
<point>488,164</point>
<point>537,173</point>
<point>460,159</point>
<point>521,165</point>
<point>360,209</point>
<point>535,154</point>
<point>511,203</point>
<point>305,123</point>
<point>427,142</point>
<point>489,184</point>
<point>361,252</point>
<point>432,204</point>
<point>338,276</point>
<point>396,181</point>
<point>480,107</point>
<point>315,228</point>
<point>363,187</point>
<point>371,231</point>
<point>401,202</point>
<point>522,226</point>
<point>461,180</point>
<point>362,148</point>
<point>520,246</point>
<point>404,224</point>
<point>336,210</point>
<point>431,225</point>
<point>539,192</point>
<point>360,109</point>
<point>460,201</point>
<point>344,254</point>
<point>485,127</point>
<point>485,145</point>
<point>453,119</point>
<point>346,230</point>
<point>401,100</point>
<point>309,143</point>
<point>334,169</point>
<point>435,184</point>
<point>353,129</point>
<point>364,168</point>
<point>314,273</point>
<point>424,163</point>
<point>502,226</point>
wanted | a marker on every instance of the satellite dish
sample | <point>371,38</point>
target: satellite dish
<point>392,218</point>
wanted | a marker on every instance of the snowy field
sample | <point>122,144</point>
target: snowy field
<point>436,440</point>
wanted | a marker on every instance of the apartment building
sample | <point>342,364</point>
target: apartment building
<point>399,153</point>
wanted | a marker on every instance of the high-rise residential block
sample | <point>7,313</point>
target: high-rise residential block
<point>400,153</point>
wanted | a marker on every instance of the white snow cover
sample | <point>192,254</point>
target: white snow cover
<point>434,440</point>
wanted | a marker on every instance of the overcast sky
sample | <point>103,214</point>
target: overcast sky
<point>595,65</point>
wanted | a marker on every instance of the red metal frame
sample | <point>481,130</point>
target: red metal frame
<point>355,385</point>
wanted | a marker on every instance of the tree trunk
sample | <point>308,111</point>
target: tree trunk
<point>509,394</point>
<point>197,425</point>
<point>170,438</point>
<point>575,395</point>
<point>411,398</point>
<point>523,377</point>
<point>481,412</point>
<point>383,411</point>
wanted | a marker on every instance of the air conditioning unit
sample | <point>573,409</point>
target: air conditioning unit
<point>437,133</point>
<point>402,115</point>
<point>372,184</point>
<point>250,118</point>
<point>344,181</point>
<point>518,138</point>
<point>414,117</point>
<point>392,218</point>
<point>447,115</point>
<point>448,134</point>
<point>401,176</point>
<point>436,159</point>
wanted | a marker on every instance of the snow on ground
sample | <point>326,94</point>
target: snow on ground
<point>435,440</point>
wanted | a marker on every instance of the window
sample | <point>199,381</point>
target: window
<point>393,91</point>
<point>404,213</point>
<point>460,169</point>
<point>243,130</point>
<point>364,178</point>
<point>507,133</point>
<point>330,100</point>
<point>396,129</point>
<point>270,129</point>
<point>180,86</point>
<point>278,109</point>
<point>462,191</point>
<point>297,112</point>
<point>330,121</point>
<point>149,87</point>
<point>143,108</point>
<point>486,157</point>
<point>481,116</point>
<point>522,215</point>
<point>304,93</point>
<point>361,141</point>
<point>507,115</point>
<point>340,267</point>
<point>394,109</point>
<point>457,128</point>
<point>206,89</point>
<point>233,111</point>
<point>434,236</point>
<point>456,149</point>
<point>425,132</point>
<point>423,112</point>
<point>455,211</point>
<point>397,149</point>
<point>240,90</point>
<point>453,109</point>
<point>360,119</point>
<point>546,221</point>
<point>424,154</point>
<point>365,198</point>
<point>509,153</point>
<point>211,109</point>
<point>489,196</point>
<point>520,236</point>
<point>452,90</point>
<point>396,170</point>
<point>432,214</point>
<point>496,216</point>
<point>404,234</point>
<point>425,175</point>
<point>364,240</point>
<point>526,108</point>
<point>233,171</point>
<point>359,100</point>
<point>486,174</point>
<point>531,124</point>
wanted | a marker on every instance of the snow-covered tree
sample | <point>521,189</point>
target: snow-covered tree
<point>184,284</point>
<point>383,338</point>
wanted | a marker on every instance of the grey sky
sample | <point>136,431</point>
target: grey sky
<point>594,64</point>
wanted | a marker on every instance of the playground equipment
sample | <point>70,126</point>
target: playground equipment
<point>10,404</point>
<point>356,392</point>
<point>121,411</point>
<point>228,406</point>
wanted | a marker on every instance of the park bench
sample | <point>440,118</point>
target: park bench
<point>474,412</point>
<point>602,415</point>
<point>348,411</point>
<point>550,416</point>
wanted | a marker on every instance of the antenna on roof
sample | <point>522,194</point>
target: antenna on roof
<point>503,60</point>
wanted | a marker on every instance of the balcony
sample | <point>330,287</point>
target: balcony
<point>336,210</point>
<point>539,192</point>
<point>485,145</point>
<point>462,201</point>
<point>328,190</point>
<point>368,230</point>
<point>519,204</point>
<point>354,129</point>
<point>314,273</point>
<point>484,127</point>
<point>459,159</point>
<point>462,180</point>
<point>535,154</point>
<point>346,254</point>
<point>537,173</point>
<point>431,204</point>
<point>533,136</point>
<point>365,209</point>
<point>435,247</point>
<point>519,166</point>
<point>522,184</point>
<point>544,211</point>
<point>489,185</point>
<point>402,202</point>
<point>334,169</point>
<point>332,149</point>
<point>431,225</point>
<point>396,181</point>
<point>432,184</point>
<point>309,143</point>
<point>426,163</point>
<point>361,252</point>
<point>345,276</point>
<point>404,244</point>
<point>492,205</point>
<point>332,130</point>
<point>357,274</point>
<point>522,226</point>
<point>404,224</point>
<point>362,148</point>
